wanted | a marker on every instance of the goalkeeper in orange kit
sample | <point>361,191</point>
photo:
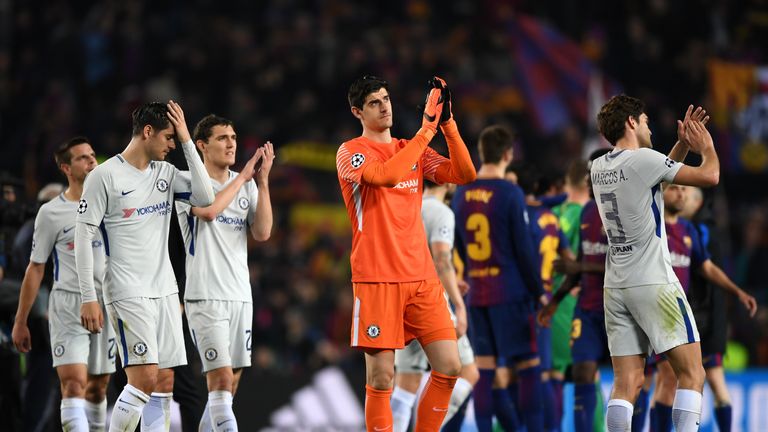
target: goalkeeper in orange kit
<point>398,296</point>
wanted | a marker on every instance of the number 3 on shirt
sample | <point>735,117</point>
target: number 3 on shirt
<point>480,249</point>
<point>612,214</point>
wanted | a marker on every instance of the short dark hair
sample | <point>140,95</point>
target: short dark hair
<point>494,141</point>
<point>577,173</point>
<point>613,115</point>
<point>204,128</point>
<point>362,87</point>
<point>62,155</point>
<point>154,114</point>
<point>528,178</point>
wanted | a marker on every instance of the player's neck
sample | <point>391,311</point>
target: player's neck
<point>531,200</point>
<point>491,171</point>
<point>217,172</point>
<point>627,143</point>
<point>74,191</point>
<point>670,218</point>
<point>578,197</point>
<point>383,136</point>
<point>135,155</point>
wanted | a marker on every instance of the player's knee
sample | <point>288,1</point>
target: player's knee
<point>72,388</point>
<point>96,389</point>
<point>381,378</point>
<point>584,373</point>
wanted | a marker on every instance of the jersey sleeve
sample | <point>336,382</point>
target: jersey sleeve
<point>699,253</point>
<point>525,251</point>
<point>351,160</point>
<point>95,199</point>
<point>443,230</point>
<point>653,167</point>
<point>43,238</point>
<point>253,198</point>
<point>182,187</point>
<point>430,162</point>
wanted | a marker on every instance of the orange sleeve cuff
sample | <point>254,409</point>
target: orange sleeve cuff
<point>461,170</point>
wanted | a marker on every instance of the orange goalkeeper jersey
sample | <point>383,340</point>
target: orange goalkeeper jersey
<point>383,194</point>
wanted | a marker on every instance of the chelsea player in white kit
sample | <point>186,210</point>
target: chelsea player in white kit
<point>83,361</point>
<point>217,299</point>
<point>129,199</point>
<point>645,306</point>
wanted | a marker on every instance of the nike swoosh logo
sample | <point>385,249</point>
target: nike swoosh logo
<point>436,409</point>
<point>127,403</point>
<point>221,423</point>
<point>66,230</point>
<point>430,118</point>
<point>378,429</point>
<point>126,193</point>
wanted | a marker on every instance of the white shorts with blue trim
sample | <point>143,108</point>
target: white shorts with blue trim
<point>149,331</point>
<point>642,318</point>
<point>222,331</point>
<point>71,343</point>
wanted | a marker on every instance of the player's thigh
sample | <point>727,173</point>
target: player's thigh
<point>135,322</point>
<point>103,350</point>
<point>624,334</point>
<point>377,316</point>
<point>240,333</point>
<point>426,314</point>
<point>481,334</point>
<point>209,323</point>
<point>513,326</point>
<point>379,368</point>
<point>588,338</point>
<point>665,316</point>
<point>74,379</point>
<point>443,356</point>
<point>70,341</point>
<point>686,361</point>
<point>170,333</point>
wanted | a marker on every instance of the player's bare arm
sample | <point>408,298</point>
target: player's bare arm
<point>442,256</point>
<point>91,316</point>
<point>680,149</point>
<point>29,289</point>
<point>225,196</point>
<point>716,275</point>
<point>708,173</point>
<point>262,224</point>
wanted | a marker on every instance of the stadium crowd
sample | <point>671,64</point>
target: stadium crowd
<point>280,71</point>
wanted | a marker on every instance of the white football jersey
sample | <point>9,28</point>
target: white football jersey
<point>54,237</point>
<point>439,221</point>
<point>133,209</point>
<point>627,187</point>
<point>217,251</point>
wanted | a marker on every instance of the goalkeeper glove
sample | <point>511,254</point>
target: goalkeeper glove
<point>433,107</point>
<point>440,83</point>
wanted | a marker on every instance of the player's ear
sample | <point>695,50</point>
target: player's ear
<point>200,145</point>
<point>147,131</point>
<point>356,112</point>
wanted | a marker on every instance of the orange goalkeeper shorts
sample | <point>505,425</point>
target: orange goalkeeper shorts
<point>387,315</point>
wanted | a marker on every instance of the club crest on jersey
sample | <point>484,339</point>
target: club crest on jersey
<point>358,159</point>
<point>140,348</point>
<point>58,351</point>
<point>162,185</point>
<point>82,206</point>
<point>211,354</point>
<point>373,331</point>
<point>243,203</point>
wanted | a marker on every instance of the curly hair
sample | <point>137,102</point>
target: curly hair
<point>613,115</point>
